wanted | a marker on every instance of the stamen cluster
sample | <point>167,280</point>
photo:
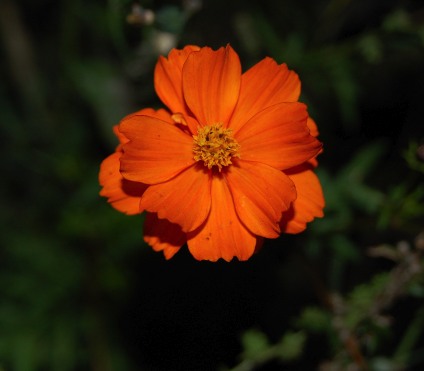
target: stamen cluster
<point>215,146</point>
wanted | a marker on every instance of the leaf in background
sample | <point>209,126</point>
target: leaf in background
<point>371,48</point>
<point>361,299</point>
<point>365,198</point>
<point>339,69</point>
<point>254,344</point>
<point>414,156</point>
<point>363,162</point>
<point>291,345</point>
<point>314,319</point>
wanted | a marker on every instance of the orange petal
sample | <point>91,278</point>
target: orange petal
<point>121,137</point>
<point>313,128</point>
<point>122,194</point>
<point>211,84</point>
<point>278,136</point>
<point>168,78</point>
<point>156,152</point>
<point>260,193</point>
<point>184,200</point>
<point>162,235</point>
<point>160,114</point>
<point>186,121</point>
<point>309,203</point>
<point>222,235</point>
<point>313,161</point>
<point>264,85</point>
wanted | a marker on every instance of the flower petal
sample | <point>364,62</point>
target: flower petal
<point>211,84</point>
<point>278,136</point>
<point>122,194</point>
<point>184,200</point>
<point>264,85</point>
<point>160,114</point>
<point>121,137</point>
<point>222,235</point>
<point>313,128</point>
<point>309,203</point>
<point>186,121</point>
<point>162,235</point>
<point>261,194</point>
<point>156,152</point>
<point>168,78</point>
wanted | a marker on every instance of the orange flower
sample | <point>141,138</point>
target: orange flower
<point>229,164</point>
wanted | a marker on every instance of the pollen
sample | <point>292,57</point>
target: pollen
<point>215,146</point>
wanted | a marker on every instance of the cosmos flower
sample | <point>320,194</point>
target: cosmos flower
<point>229,163</point>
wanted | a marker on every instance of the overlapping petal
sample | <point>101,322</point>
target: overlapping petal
<point>264,85</point>
<point>222,235</point>
<point>278,136</point>
<point>168,78</point>
<point>163,235</point>
<point>186,121</point>
<point>184,200</point>
<point>121,137</point>
<point>156,151</point>
<point>309,203</point>
<point>313,128</point>
<point>260,193</point>
<point>122,194</point>
<point>211,84</point>
<point>161,114</point>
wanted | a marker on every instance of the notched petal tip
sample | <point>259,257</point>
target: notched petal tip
<point>211,84</point>
<point>162,235</point>
<point>222,235</point>
<point>168,78</point>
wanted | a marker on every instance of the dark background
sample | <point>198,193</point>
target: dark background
<point>79,290</point>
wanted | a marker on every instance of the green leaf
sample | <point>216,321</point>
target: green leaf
<point>364,162</point>
<point>314,319</point>
<point>254,343</point>
<point>291,345</point>
<point>362,298</point>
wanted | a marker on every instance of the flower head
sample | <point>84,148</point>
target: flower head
<point>229,163</point>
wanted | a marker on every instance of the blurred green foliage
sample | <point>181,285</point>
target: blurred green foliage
<point>80,290</point>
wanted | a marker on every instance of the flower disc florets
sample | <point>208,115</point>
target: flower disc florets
<point>215,146</point>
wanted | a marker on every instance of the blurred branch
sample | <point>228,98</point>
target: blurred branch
<point>369,301</point>
<point>409,265</point>
<point>258,351</point>
<point>347,337</point>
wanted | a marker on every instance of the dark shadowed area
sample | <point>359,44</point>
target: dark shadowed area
<point>79,288</point>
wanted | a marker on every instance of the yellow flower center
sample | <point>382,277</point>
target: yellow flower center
<point>215,146</point>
